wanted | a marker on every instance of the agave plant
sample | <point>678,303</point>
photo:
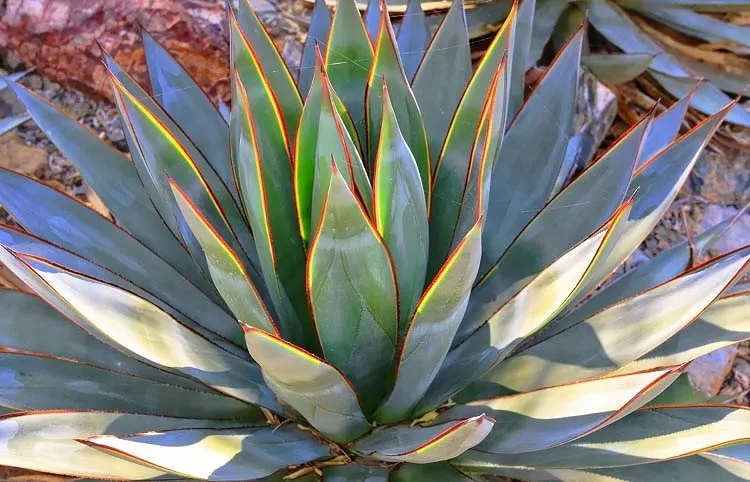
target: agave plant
<point>386,281</point>
<point>673,64</point>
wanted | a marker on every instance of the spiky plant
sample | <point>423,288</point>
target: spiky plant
<point>674,63</point>
<point>381,282</point>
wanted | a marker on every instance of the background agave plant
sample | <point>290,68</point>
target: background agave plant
<point>712,49</point>
<point>390,281</point>
<point>10,122</point>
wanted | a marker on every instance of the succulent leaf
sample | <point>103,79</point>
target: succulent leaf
<point>387,70</point>
<point>400,210</point>
<point>216,454</point>
<point>352,291</point>
<point>314,388</point>
<point>432,327</point>
<point>658,433</point>
<point>113,177</point>
<point>413,36</point>
<point>134,325</point>
<point>262,178</point>
<point>317,34</point>
<point>579,409</point>
<point>665,310</point>
<point>445,70</point>
<point>46,441</point>
<point>425,445</point>
<point>190,108</point>
<point>342,235</point>
<point>348,60</point>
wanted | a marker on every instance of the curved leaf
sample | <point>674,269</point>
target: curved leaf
<point>724,323</point>
<point>167,153</point>
<point>306,145</point>
<point>645,436</point>
<point>114,178</point>
<point>268,60</point>
<point>387,70</point>
<point>452,170</point>
<point>264,182</point>
<point>190,108</point>
<point>318,391</point>
<point>549,417</point>
<point>605,343</point>
<point>348,59</point>
<point>24,317</point>
<point>135,325</point>
<point>654,187</point>
<point>71,225</point>
<point>527,312</point>
<point>532,167</point>
<point>617,68</point>
<point>42,382</point>
<point>400,211</point>
<point>335,144</point>
<point>226,269</point>
<point>46,441</point>
<point>431,329</point>
<point>425,445</point>
<point>444,71</point>
<point>662,268</point>
<point>19,242</point>
<point>579,208</point>
<point>352,292</point>
<point>216,454</point>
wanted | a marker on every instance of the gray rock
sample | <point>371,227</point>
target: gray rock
<point>737,235</point>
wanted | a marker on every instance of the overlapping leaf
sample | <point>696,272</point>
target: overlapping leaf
<point>216,454</point>
<point>166,152</point>
<point>387,70</point>
<point>348,60</point>
<point>114,178</point>
<point>135,325</point>
<point>311,386</point>
<point>444,70</point>
<point>226,269</point>
<point>605,343</point>
<point>71,225</point>
<point>557,415</point>
<point>190,108</point>
<point>645,436</point>
<point>46,441</point>
<point>424,445</point>
<point>313,141</point>
<point>579,208</point>
<point>469,181</point>
<point>400,211</point>
<point>263,178</point>
<point>352,292</point>
<point>519,318</point>
<point>432,327</point>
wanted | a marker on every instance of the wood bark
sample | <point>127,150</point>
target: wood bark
<point>59,38</point>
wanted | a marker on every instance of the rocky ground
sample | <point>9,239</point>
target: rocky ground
<point>718,188</point>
